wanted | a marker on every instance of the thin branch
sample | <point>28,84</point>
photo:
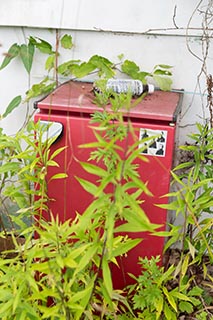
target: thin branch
<point>174,17</point>
<point>187,31</point>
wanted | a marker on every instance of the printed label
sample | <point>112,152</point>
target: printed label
<point>153,142</point>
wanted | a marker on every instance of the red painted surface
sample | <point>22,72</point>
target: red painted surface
<point>71,105</point>
<point>78,97</point>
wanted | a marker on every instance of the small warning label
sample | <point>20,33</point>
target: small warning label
<point>153,142</point>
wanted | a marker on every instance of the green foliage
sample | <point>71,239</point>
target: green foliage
<point>24,162</point>
<point>42,45</point>
<point>44,87</point>
<point>161,74</point>
<point>103,67</point>
<point>26,54</point>
<point>12,105</point>
<point>79,69</point>
<point>66,41</point>
<point>64,273</point>
<point>153,298</point>
<point>11,54</point>
<point>192,199</point>
<point>193,195</point>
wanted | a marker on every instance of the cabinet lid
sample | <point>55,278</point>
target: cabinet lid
<point>76,96</point>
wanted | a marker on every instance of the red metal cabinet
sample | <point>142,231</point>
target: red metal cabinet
<point>70,107</point>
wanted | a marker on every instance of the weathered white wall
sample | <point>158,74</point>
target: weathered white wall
<point>144,31</point>
<point>119,15</point>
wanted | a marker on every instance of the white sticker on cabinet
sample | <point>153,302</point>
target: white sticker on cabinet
<point>153,142</point>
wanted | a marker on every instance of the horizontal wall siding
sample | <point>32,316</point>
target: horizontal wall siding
<point>120,16</point>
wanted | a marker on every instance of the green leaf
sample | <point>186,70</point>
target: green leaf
<point>57,151</point>
<point>41,45</point>
<point>68,67</point>
<point>185,306</point>
<point>59,260</point>
<point>87,258</point>
<point>169,206</point>
<point>10,166</point>
<point>164,83</point>
<point>170,298</point>
<point>169,314</point>
<point>121,56</point>
<point>26,54</point>
<point>125,247</point>
<point>11,54</point>
<point>12,105</point>
<point>52,163</point>
<point>82,70</point>
<point>85,299</point>
<point>104,65</point>
<point>180,295</point>
<point>5,306</point>
<point>75,253</point>
<point>138,212</point>
<point>88,186</point>
<point>185,265</point>
<point>66,41</point>
<point>192,249</point>
<point>95,205</point>
<point>17,299</point>
<point>164,66</point>
<point>40,88</point>
<point>107,278</point>
<point>78,296</point>
<point>59,176</point>
<point>177,179</point>
<point>105,181</point>
<point>130,68</point>
<point>140,184</point>
<point>133,227</point>
<point>93,169</point>
<point>162,72</point>
<point>195,291</point>
<point>184,165</point>
<point>20,199</point>
<point>50,62</point>
<point>44,267</point>
<point>159,307</point>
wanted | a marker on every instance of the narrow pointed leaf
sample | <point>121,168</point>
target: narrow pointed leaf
<point>26,54</point>
<point>12,105</point>
<point>12,53</point>
<point>93,169</point>
<point>88,186</point>
<point>170,298</point>
<point>107,276</point>
<point>180,295</point>
<point>125,247</point>
<point>58,176</point>
<point>87,258</point>
<point>10,167</point>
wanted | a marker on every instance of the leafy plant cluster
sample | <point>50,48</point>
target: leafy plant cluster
<point>67,266</point>
<point>192,200</point>
<point>24,162</point>
<point>63,270</point>
<point>74,69</point>
<point>154,298</point>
